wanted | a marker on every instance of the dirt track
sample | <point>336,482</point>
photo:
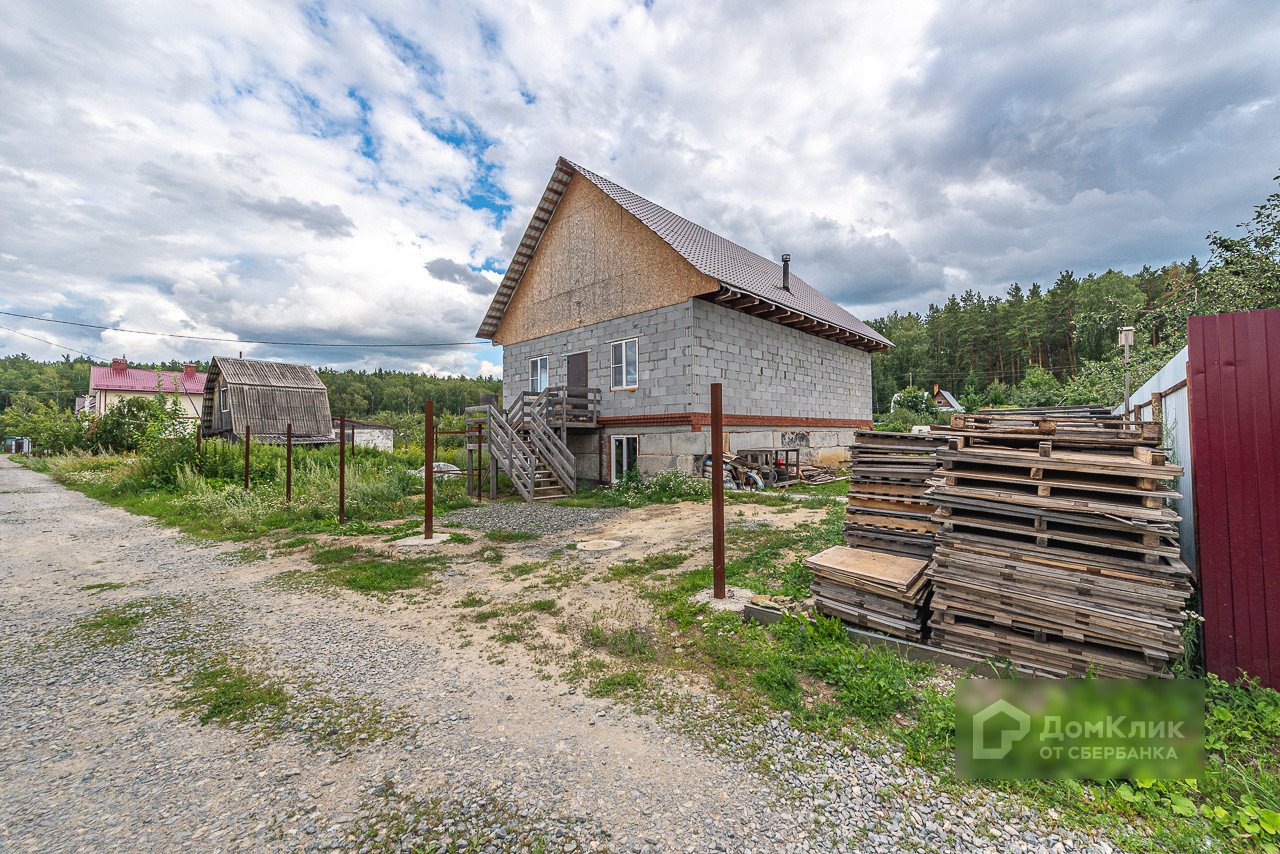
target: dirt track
<point>403,724</point>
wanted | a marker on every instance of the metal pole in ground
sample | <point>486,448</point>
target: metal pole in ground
<point>199,467</point>
<point>342,470</point>
<point>428,470</point>
<point>288,463</point>
<point>246,456</point>
<point>717,491</point>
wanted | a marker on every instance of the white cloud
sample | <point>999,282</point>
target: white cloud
<point>335,172</point>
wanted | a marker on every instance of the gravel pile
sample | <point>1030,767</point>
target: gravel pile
<point>531,518</point>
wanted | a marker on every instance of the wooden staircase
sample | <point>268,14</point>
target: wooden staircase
<point>523,443</point>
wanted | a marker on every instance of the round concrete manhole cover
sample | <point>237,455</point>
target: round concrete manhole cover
<point>598,545</point>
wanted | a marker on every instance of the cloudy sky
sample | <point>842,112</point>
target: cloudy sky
<point>359,173</point>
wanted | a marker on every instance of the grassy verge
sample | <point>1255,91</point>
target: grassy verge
<point>379,487</point>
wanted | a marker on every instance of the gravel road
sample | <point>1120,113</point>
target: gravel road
<point>393,742</point>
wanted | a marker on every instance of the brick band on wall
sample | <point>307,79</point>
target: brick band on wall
<point>698,420</point>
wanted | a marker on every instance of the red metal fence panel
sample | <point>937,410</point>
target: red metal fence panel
<point>1233,374</point>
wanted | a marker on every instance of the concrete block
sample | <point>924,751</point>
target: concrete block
<point>690,442</point>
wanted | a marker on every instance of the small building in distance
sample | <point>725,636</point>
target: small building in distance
<point>110,385</point>
<point>945,400</point>
<point>368,434</point>
<point>267,397</point>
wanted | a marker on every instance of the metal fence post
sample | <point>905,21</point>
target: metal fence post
<point>246,456</point>
<point>342,470</point>
<point>717,491</point>
<point>288,463</point>
<point>428,469</point>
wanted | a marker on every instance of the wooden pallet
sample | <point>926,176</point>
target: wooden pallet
<point>1097,504</point>
<point>1117,491</point>
<point>1154,633</point>
<point>1058,531</point>
<point>1042,655</point>
<point>1071,465</point>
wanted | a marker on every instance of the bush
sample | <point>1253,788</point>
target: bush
<point>916,400</point>
<point>1038,388</point>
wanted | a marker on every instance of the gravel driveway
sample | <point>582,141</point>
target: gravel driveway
<point>396,743</point>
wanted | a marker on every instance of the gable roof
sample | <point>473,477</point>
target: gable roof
<point>140,379</point>
<point>269,397</point>
<point>740,271</point>
<point>275,374</point>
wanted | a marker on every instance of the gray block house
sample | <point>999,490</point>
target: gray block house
<point>640,310</point>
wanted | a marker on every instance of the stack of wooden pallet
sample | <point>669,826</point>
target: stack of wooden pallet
<point>871,589</point>
<point>1063,561</point>
<point>888,477</point>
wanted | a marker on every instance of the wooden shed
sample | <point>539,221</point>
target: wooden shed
<point>268,397</point>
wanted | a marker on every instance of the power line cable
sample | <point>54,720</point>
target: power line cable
<point>228,340</point>
<point>46,340</point>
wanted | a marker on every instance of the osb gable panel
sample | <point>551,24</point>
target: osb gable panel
<point>595,262</point>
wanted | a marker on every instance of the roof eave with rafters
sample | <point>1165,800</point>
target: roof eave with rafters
<point>731,297</point>
<point>528,245</point>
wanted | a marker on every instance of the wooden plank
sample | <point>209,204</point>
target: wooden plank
<point>881,568</point>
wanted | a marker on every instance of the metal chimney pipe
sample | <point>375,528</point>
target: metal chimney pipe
<point>786,271</point>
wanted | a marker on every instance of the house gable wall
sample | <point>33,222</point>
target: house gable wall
<point>595,263</point>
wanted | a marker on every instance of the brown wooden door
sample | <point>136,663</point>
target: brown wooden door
<point>577,373</point>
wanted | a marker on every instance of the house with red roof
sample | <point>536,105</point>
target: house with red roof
<point>110,385</point>
<point>615,317</point>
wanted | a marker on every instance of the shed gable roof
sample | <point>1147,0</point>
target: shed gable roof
<point>739,270</point>
<point>270,397</point>
<point>276,374</point>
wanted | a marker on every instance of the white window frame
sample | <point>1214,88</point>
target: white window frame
<point>618,359</point>
<point>535,373</point>
<point>224,397</point>
<point>613,454</point>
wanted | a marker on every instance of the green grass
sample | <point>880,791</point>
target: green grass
<point>458,537</point>
<point>246,555</point>
<point>106,585</point>
<point>115,625</point>
<point>471,600</point>
<point>521,570</point>
<point>369,571</point>
<point>336,555</point>
<point>296,542</point>
<point>615,683</point>
<point>228,692</point>
<point>491,555</point>
<point>634,642</point>
<point>506,537</point>
<point>647,565</point>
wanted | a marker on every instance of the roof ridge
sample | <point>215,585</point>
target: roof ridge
<point>731,264</point>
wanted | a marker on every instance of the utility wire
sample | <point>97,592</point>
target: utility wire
<point>46,340</point>
<point>228,340</point>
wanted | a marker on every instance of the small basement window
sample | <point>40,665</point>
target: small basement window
<point>624,361</point>
<point>539,373</point>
